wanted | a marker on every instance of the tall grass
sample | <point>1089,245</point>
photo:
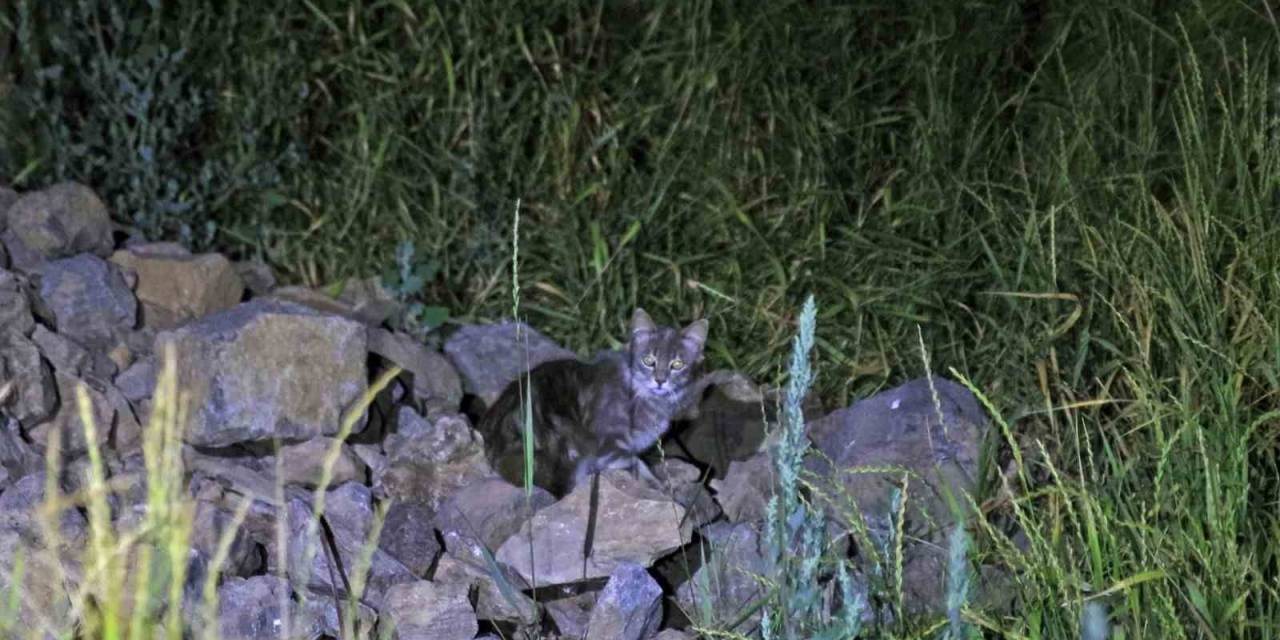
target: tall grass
<point>1075,203</point>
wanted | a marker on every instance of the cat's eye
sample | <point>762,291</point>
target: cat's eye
<point>677,364</point>
<point>648,360</point>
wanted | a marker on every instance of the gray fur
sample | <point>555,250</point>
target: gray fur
<point>592,416</point>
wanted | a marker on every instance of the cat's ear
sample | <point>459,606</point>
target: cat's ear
<point>640,321</point>
<point>697,332</point>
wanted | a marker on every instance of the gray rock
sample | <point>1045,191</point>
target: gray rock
<point>432,465</point>
<point>322,618</point>
<point>484,514</point>
<point>303,463</point>
<point>212,522</point>
<point>489,357</point>
<point>409,536</point>
<point>634,524</point>
<point>63,353</point>
<point>683,482</point>
<point>174,287</point>
<point>427,611</point>
<point>572,614</point>
<point>900,428</point>
<point>266,369</point>
<point>672,634</point>
<point>63,220</point>
<point>629,608</point>
<point>726,585</point>
<point>384,571</point>
<point>45,596</point>
<point>88,299</point>
<point>745,491</point>
<point>29,391</point>
<point>494,601</point>
<point>257,276</point>
<point>435,382</point>
<point>15,305</point>
<point>251,608</point>
<point>17,458</point>
<point>67,421</point>
<point>7,198</point>
<point>18,506</point>
<point>371,316</point>
<point>138,381</point>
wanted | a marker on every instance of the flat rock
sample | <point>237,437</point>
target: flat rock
<point>489,357</point>
<point>424,610</point>
<point>174,288</point>
<point>264,370</point>
<point>635,524</point>
<point>89,300</point>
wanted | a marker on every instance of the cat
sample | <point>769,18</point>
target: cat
<point>599,415</point>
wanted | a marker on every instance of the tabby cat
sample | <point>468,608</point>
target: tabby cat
<point>598,415</point>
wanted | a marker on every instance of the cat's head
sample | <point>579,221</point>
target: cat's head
<point>662,359</point>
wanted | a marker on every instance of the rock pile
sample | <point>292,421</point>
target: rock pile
<point>460,553</point>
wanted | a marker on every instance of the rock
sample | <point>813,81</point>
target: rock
<point>7,198</point>
<point>745,490</point>
<point>735,555</point>
<point>484,514</point>
<point>572,614</point>
<point>304,462</point>
<point>18,505</point>
<point>427,611</point>
<point>350,537</point>
<point>492,603</point>
<point>434,380</point>
<point>257,276</point>
<point>408,536</point>
<point>635,523</point>
<point>68,421</point>
<point>64,354</point>
<point>683,482</point>
<point>211,522</point>
<point>366,315</point>
<point>730,425</point>
<point>45,597</point>
<point>489,357</point>
<point>322,618</point>
<point>672,634</point>
<point>629,608</point>
<point>174,288</point>
<point>88,300</point>
<point>899,429</point>
<point>251,608</point>
<point>263,370</point>
<point>15,305</point>
<point>30,392</point>
<point>17,458</point>
<point>374,303</point>
<point>430,466</point>
<point>62,220</point>
<point>372,457</point>
<point>138,381</point>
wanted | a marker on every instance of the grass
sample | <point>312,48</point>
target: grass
<point>1073,204</point>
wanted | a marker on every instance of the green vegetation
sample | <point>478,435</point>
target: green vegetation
<point>1071,206</point>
